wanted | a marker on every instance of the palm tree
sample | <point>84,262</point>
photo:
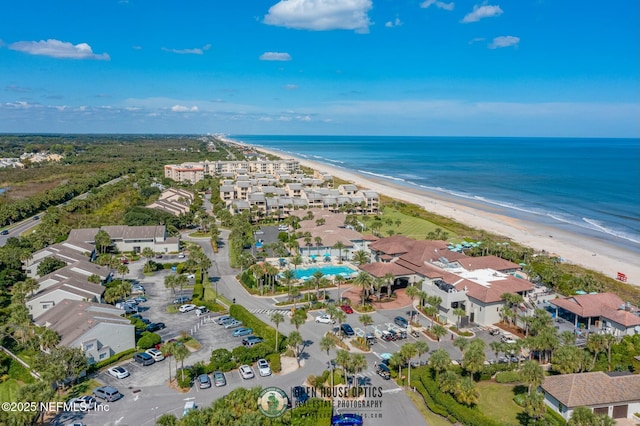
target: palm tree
<point>298,318</point>
<point>389,278</point>
<point>467,392</point>
<point>343,358</point>
<point>295,261</point>
<point>532,374</point>
<point>422,348</point>
<point>440,361</point>
<point>180,353</point>
<point>448,381</point>
<point>341,317</point>
<point>277,318</point>
<point>339,279</point>
<point>148,253</point>
<point>439,331</point>
<point>339,246</point>
<point>366,320</point>
<point>357,364</point>
<point>49,339</point>
<point>327,343</point>
<point>30,286</point>
<point>294,293</point>
<point>363,279</point>
<point>408,351</point>
<point>123,270</point>
<point>170,282</point>
<point>317,279</point>
<point>169,349</point>
<point>412,292</point>
<point>287,277</point>
<point>361,257</point>
<point>294,341</point>
<point>459,312</point>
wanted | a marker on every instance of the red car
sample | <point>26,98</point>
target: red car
<point>347,309</point>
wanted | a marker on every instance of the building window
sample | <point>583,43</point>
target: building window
<point>103,356</point>
<point>88,346</point>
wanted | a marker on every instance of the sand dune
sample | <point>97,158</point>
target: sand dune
<point>576,249</point>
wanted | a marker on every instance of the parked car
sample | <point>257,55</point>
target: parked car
<point>283,228</point>
<point>347,330</point>
<point>246,372</point>
<point>181,299</point>
<point>251,341</point>
<point>494,332</point>
<point>83,403</point>
<point>143,358</point>
<point>107,393</point>
<point>36,218</point>
<point>187,307</point>
<point>4,232</point>
<point>189,406</point>
<point>507,339</point>
<point>118,372</point>
<point>138,288</point>
<point>204,381</point>
<point>155,354</point>
<point>140,299</point>
<point>383,371</point>
<point>233,324</point>
<point>225,318</point>
<point>325,319</point>
<point>201,310</point>
<point>155,326</point>
<point>219,379</point>
<point>401,322</point>
<point>347,309</point>
<point>181,256</point>
<point>242,332</point>
<point>263,367</point>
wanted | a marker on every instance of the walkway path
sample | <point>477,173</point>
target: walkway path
<point>402,300</point>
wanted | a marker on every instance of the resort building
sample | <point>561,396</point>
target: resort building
<point>96,328</point>
<point>474,284</point>
<point>614,394</point>
<point>173,200</point>
<point>131,238</point>
<point>603,312</point>
<point>68,251</point>
<point>185,173</point>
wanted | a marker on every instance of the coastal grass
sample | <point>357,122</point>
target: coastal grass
<point>400,223</point>
<point>496,402</point>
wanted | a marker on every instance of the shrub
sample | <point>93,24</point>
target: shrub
<point>219,357</point>
<point>184,383</point>
<point>149,340</point>
<point>113,359</point>
<point>198,291</point>
<point>508,377</point>
<point>242,355</point>
<point>260,328</point>
<point>274,362</point>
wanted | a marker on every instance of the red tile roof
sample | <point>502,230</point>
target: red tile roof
<point>380,269</point>
<point>608,305</point>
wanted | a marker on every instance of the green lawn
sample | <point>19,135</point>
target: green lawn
<point>8,390</point>
<point>431,418</point>
<point>412,227</point>
<point>496,401</point>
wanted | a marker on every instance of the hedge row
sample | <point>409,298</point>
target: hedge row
<point>112,359</point>
<point>508,377</point>
<point>274,362</point>
<point>261,329</point>
<point>463,414</point>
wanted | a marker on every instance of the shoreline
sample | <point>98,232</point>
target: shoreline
<point>584,251</point>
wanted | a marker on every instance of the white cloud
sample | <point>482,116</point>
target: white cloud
<point>290,86</point>
<point>476,40</point>
<point>182,108</point>
<point>321,15</point>
<point>58,49</point>
<point>275,56</point>
<point>439,4</point>
<point>396,23</point>
<point>480,12</point>
<point>504,41</point>
<point>195,51</point>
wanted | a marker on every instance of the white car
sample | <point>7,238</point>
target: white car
<point>325,319</point>
<point>186,308</point>
<point>181,256</point>
<point>155,354</point>
<point>263,367</point>
<point>507,339</point>
<point>246,372</point>
<point>118,372</point>
<point>83,403</point>
<point>283,228</point>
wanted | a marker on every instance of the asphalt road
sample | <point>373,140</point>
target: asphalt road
<point>147,396</point>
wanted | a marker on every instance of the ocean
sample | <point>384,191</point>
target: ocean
<point>586,186</point>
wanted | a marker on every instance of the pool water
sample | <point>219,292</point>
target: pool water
<point>326,270</point>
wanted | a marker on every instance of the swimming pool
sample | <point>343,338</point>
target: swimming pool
<point>326,270</point>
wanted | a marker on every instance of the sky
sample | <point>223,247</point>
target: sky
<point>549,68</point>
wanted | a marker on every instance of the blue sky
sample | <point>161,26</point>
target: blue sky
<point>351,67</point>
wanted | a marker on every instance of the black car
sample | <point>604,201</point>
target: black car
<point>401,322</point>
<point>4,232</point>
<point>383,371</point>
<point>155,326</point>
<point>347,330</point>
<point>143,358</point>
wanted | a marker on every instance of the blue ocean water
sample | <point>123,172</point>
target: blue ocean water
<point>588,186</point>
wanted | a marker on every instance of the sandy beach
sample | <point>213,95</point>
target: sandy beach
<point>576,249</point>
